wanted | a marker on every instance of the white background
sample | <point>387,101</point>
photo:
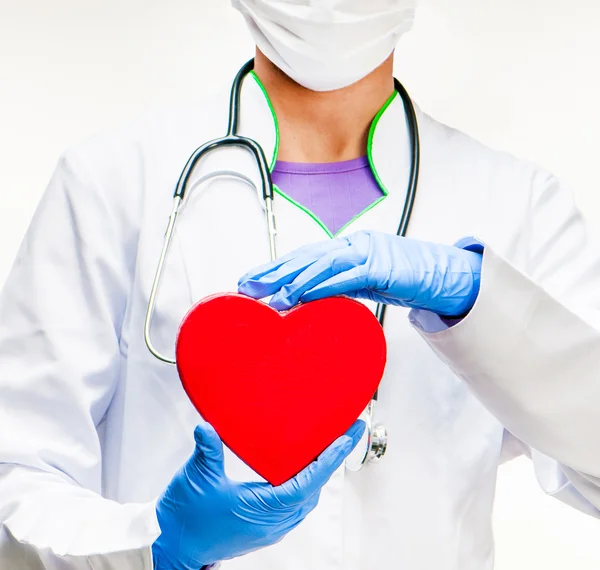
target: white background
<point>522,75</point>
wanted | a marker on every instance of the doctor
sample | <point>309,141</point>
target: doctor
<point>497,358</point>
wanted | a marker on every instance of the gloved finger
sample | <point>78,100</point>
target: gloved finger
<point>269,283</point>
<point>332,264</point>
<point>273,281</point>
<point>383,298</point>
<point>345,283</point>
<point>367,294</point>
<point>310,481</point>
<point>208,455</point>
<point>300,257</point>
<point>356,431</point>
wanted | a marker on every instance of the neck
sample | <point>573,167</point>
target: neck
<point>317,127</point>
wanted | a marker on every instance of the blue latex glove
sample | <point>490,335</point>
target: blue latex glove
<point>205,517</point>
<point>370,265</point>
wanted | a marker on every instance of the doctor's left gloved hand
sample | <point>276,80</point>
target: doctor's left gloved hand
<point>371,265</point>
<point>205,517</point>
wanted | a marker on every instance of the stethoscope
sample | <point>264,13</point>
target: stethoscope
<point>377,436</point>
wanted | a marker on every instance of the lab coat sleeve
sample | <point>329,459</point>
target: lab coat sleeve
<point>530,347</point>
<point>60,319</point>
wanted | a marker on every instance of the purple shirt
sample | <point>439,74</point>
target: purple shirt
<point>333,193</point>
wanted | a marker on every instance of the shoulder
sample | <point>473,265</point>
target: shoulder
<point>150,139</point>
<point>131,167</point>
<point>492,183</point>
<point>484,192</point>
<point>457,153</point>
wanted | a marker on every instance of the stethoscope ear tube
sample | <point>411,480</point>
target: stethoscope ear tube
<point>413,177</point>
<point>157,281</point>
<point>181,193</point>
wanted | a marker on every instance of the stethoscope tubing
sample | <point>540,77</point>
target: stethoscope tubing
<point>375,449</point>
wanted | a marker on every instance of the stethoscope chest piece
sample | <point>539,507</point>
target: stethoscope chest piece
<point>373,446</point>
<point>379,443</point>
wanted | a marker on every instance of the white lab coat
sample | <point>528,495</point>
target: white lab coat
<point>92,427</point>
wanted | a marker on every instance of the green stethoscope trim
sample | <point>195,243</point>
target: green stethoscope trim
<point>370,140</point>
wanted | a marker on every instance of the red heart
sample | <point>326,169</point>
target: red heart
<point>279,388</point>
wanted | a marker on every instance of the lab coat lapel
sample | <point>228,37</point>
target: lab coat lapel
<point>390,157</point>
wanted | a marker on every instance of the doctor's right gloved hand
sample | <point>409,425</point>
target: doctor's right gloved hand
<point>205,517</point>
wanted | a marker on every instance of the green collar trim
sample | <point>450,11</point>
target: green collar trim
<point>305,210</point>
<point>370,140</point>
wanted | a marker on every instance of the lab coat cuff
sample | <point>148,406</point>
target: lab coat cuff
<point>136,552</point>
<point>487,344</point>
<point>527,358</point>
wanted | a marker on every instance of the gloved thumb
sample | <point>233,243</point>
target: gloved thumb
<point>208,455</point>
<point>315,476</point>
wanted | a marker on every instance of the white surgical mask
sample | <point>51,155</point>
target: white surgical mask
<point>327,44</point>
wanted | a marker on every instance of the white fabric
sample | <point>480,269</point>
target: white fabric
<point>323,44</point>
<point>92,427</point>
<point>534,378</point>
